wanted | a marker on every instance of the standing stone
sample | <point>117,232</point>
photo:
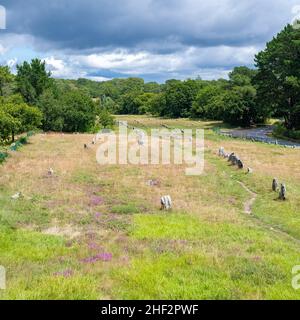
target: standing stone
<point>282,192</point>
<point>274,185</point>
<point>230,157</point>
<point>249,170</point>
<point>235,160</point>
<point>221,152</point>
<point>166,203</point>
<point>240,164</point>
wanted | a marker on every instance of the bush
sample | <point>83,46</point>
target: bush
<point>3,156</point>
<point>281,131</point>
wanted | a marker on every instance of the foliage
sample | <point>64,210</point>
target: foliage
<point>17,117</point>
<point>278,77</point>
<point>50,106</point>
<point>78,112</point>
<point>281,131</point>
<point>5,78</point>
<point>105,119</point>
<point>32,80</point>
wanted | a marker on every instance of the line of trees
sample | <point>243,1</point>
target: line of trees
<point>33,99</point>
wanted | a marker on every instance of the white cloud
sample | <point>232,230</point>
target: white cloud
<point>190,60</point>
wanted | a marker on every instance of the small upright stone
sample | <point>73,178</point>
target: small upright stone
<point>221,152</point>
<point>249,171</point>
<point>282,192</point>
<point>166,203</point>
<point>50,172</point>
<point>17,196</point>
<point>274,185</point>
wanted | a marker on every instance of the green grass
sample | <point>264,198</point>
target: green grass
<point>129,208</point>
<point>216,261</point>
<point>32,261</point>
<point>54,288</point>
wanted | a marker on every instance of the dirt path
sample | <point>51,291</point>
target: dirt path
<point>248,209</point>
<point>249,203</point>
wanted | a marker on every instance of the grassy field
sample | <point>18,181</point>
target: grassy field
<point>96,232</point>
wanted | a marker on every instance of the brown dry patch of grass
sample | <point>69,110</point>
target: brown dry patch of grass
<point>274,161</point>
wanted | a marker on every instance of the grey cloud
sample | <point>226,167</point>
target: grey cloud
<point>88,24</point>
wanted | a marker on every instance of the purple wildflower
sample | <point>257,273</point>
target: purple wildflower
<point>98,257</point>
<point>93,245</point>
<point>96,201</point>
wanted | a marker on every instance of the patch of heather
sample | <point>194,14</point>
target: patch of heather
<point>98,215</point>
<point>99,257</point>
<point>96,201</point>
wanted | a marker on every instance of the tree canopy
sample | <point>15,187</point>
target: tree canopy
<point>278,76</point>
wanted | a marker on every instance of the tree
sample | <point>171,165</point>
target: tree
<point>106,120</point>
<point>129,104</point>
<point>207,103</point>
<point>8,125</point>
<point>179,97</point>
<point>278,77</point>
<point>32,80</point>
<point>242,76</point>
<point>143,102</point>
<point>157,104</point>
<point>50,106</point>
<point>239,106</point>
<point>78,112</point>
<point>18,115</point>
<point>5,78</point>
<point>109,104</point>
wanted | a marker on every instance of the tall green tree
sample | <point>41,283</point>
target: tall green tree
<point>51,108</point>
<point>32,80</point>
<point>278,77</point>
<point>5,78</point>
<point>179,97</point>
<point>78,112</point>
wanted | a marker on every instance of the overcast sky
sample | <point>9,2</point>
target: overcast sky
<point>153,39</point>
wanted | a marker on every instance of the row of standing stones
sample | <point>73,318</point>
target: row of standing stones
<point>235,160</point>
